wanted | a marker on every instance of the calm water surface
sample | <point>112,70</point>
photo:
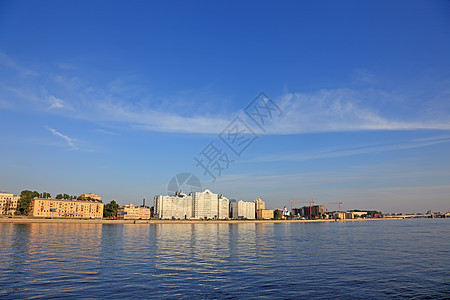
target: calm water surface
<point>376,259</point>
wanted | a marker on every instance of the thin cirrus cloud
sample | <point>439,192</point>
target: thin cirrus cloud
<point>328,110</point>
<point>157,120</point>
<point>342,110</point>
<point>10,63</point>
<point>355,150</point>
<point>69,141</point>
<point>338,110</point>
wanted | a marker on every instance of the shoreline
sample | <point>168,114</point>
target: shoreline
<point>26,220</point>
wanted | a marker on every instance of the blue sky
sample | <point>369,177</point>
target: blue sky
<point>117,97</point>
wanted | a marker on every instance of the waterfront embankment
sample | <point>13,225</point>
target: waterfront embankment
<point>24,220</point>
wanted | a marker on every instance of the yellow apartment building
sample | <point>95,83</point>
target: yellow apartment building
<point>8,203</point>
<point>262,214</point>
<point>131,212</point>
<point>261,211</point>
<point>61,208</point>
<point>259,204</point>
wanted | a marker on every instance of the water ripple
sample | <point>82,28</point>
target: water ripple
<point>362,260</point>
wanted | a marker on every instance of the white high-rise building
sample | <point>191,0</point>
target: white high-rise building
<point>178,206</point>
<point>206,205</point>
<point>224,207</point>
<point>242,210</point>
<point>198,205</point>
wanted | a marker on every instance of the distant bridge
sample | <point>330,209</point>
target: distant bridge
<point>419,216</point>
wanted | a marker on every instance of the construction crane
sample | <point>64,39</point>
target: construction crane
<point>339,202</point>
<point>310,201</point>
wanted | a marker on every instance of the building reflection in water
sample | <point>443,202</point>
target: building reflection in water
<point>127,244</point>
<point>46,259</point>
<point>193,249</point>
<point>41,253</point>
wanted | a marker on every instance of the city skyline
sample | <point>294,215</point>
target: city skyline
<point>124,101</point>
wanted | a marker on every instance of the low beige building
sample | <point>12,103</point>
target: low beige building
<point>264,214</point>
<point>8,203</point>
<point>355,214</point>
<point>339,215</point>
<point>61,208</point>
<point>131,212</point>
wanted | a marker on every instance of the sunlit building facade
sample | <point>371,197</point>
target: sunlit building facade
<point>355,214</point>
<point>223,207</point>
<point>264,214</point>
<point>8,203</point>
<point>260,204</point>
<point>205,205</point>
<point>131,212</point>
<point>61,208</point>
<point>242,210</point>
<point>339,215</point>
<point>178,206</point>
<point>261,211</point>
<point>196,205</point>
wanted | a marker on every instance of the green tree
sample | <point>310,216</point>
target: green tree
<point>45,195</point>
<point>23,207</point>
<point>59,196</point>
<point>110,209</point>
<point>152,211</point>
<point>278,214</point>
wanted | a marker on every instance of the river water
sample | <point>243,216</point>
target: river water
<point>367,260</point>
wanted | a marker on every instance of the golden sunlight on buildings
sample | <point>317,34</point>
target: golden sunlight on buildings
<point>261,211</point>
<point>131,212</point>
<point>8,203</point>
<point>264,214</point>
<point>62,208</point>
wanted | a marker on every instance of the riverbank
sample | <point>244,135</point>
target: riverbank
<point>25,220</point>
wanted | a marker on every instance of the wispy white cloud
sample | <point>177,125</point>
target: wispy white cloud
<point>69,141</point>
<point>342,110</point>
<point>337,110</point>
<point>363,75</point>
<point>353,150</point>
<point>124,102</point>
<point>107,132</point>
<point>10,63</point>
<point>443,138</point>
<point>157,120</point>
<point>55,102</point>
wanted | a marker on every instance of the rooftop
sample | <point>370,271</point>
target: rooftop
<point>68,200</point>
